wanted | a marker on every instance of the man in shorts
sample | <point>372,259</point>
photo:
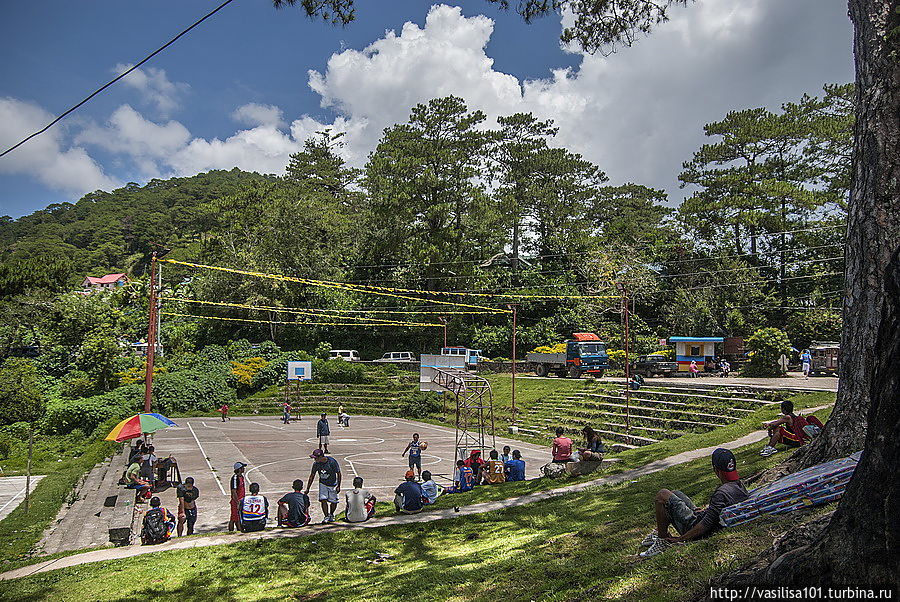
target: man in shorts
<point>788,429</point>
<point>414,448</point>
<point>187,496</point>
<point>293,507</point>
<point>329,472</point>
<point>322,432</point>
<point>676,509</point>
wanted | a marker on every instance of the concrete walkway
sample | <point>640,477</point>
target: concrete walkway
<point>200,542</point>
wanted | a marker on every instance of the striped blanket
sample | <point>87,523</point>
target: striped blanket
<point>813,486</point>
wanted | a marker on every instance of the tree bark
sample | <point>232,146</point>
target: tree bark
<point>873,222</point>
<point>861,544</point>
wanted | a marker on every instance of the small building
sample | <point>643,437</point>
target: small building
<point>109,281</point>
<point>695,349</point>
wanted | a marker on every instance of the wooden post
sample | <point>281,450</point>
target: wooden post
<point>28,469</point>
<point>513,308</point>
<point>151,337</point>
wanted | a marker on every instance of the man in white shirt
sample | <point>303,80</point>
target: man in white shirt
<point>360,503</point>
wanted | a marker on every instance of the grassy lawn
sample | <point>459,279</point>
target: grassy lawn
<point>63,460</point>
<point>578,547</point>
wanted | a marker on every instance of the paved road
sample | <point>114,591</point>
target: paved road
<point>12,492</point>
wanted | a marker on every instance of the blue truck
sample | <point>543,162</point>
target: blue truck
<point>585,354</point>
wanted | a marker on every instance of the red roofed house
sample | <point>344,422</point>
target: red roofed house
<point>104,282</point>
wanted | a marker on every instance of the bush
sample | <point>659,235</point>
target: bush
<point>66,415</point>
<point>323,350</point>
<point>77,384</point>
<point>616,358</point>
<point>766,347</point>
<point>21,397</point>
<point>244,372</point>
<point>420,405</point>
<point>338,371</point>
<point>189,390</point>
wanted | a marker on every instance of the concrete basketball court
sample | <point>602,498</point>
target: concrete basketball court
<point>12,492</point>
<point>276,454</point>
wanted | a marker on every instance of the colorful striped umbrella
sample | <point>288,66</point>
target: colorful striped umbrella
<point>137,425</point>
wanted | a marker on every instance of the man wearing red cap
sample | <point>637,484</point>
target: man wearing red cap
<point>408,496</point>
<point>676,509</point>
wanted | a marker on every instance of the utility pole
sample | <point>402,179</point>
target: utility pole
<point>514,309</point>
<point>151,336</point>
<point>444,322</point>
<point>626,340</point>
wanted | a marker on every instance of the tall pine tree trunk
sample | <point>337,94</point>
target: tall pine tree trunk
<point>861,544</point>
<point>873,222</point>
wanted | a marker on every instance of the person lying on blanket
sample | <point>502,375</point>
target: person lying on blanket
<point>676,509</point>
<point>789,429</point>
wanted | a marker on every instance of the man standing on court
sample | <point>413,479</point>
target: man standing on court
<point>322,432</point>
<point>237,494</point>
<point>329,472</point>
<point>414,448</point>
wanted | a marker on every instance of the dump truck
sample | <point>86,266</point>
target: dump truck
<point>585,354</point>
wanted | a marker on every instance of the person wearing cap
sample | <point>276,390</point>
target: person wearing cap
<point>329,472</point>
<point>676,509</point>
<point>322,432</point>
<point>237,494</point>
<point>408,496</point>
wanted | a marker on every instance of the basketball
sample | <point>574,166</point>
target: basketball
<point>424,445</point>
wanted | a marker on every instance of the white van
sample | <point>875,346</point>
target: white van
<point>398,356</point>
<point>348,355</point>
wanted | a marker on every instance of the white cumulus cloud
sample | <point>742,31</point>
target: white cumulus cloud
<point>46,157</point>
<point>255,114</point>
<point>154,86</point>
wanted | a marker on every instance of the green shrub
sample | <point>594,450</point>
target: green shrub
<point>420,405</point>
<point>77,384</point>
<point>766,346</point>
<point>616,358</point>
<point>338,371</point>
<point>188,390</point>
<point>65,415</point>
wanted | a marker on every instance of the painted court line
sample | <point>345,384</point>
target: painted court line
<point>280,428</point>
<point>205,457</point>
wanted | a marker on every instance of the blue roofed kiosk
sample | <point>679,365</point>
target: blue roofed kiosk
<point>695,349</point>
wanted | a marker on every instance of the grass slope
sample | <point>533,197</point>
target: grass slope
<point>578,547</point>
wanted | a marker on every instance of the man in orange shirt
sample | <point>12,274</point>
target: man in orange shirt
<point>493,470</point>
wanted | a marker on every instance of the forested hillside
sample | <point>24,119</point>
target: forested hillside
<point>448,203</point>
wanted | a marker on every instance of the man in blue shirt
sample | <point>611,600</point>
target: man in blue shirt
<point>408,496</point>
<point>322,432</point>
<point>515,468</point>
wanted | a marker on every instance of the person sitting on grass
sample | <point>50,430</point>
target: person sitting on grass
<point>515,468</point>
<point>430,489</point>
<point>676,509</point>
<point>595,448</point>
<point>506,455</point>
<point>408,496</point>
<point>562,447</point>
<point>493,472</point>
<point>293,507</point>
<point>463,478</point>
<point>254,510</point>
<point>158,524</point>
<point>360,503</point>
<point>789,429</point>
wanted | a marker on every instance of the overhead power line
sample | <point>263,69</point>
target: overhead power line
<point>117,78</point>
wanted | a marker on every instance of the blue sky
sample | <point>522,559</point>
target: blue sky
<point>638,113</point>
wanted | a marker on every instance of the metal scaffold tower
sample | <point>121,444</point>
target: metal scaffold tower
<point>474,409</point>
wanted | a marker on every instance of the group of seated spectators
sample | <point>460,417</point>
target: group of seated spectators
<point>145,471</point>
<point>563,448</point>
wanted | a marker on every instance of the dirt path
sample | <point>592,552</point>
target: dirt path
<point>215,540</point>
